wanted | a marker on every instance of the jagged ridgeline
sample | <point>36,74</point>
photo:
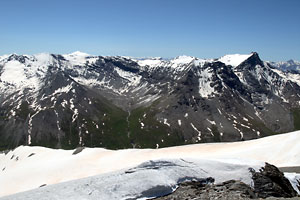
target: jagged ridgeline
<point>66,101</point>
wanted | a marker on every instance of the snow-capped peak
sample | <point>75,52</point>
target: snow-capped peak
<point>234,59</point>
<point>4,57</point>
<point>151,62</point>
<point>43,57</point>
<point>183,59</point>
<point>77,54</point>
<point>77,57</point>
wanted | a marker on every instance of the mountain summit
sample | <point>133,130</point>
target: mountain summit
<point>71,100</point>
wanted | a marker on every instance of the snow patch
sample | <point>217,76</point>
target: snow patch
<point>211,122</point>
<point>166,123</point>
<point>245,126</point>
<point>245,119</point>
<point>205,89</point>
<point>75,115</point>
<point>258,133</point>
<point>294,179</point>
<point>133,79</point>
<point>288,76</point>
<point>57,122</point>
<point>77,58</point>
<point>11,70</point>
<point>234,59</point>
<point>209,129</point>
<point>64,103</point>
<point>142,125</point>
<point>179,122</point>
<point>199,132</point>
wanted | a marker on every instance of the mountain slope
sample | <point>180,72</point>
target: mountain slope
<point>65,101</point>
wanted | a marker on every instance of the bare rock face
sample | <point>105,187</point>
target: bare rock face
<point>272,182</point>
<point>233,190</point>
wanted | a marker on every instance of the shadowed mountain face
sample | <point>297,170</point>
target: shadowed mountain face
<point>65,101</point>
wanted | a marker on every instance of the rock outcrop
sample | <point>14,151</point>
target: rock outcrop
<point>269,183</point>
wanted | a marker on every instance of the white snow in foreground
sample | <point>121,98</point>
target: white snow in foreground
<point>148,180</point>
<point>49,166</point>
<point>234,59</point>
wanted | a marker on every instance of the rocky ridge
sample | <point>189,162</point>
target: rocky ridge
<point>269,183</point>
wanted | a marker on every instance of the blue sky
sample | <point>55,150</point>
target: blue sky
<point>141,28</point>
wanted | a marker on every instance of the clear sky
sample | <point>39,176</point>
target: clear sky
<point>141,28</point>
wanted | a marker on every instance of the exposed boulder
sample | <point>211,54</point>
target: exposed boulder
<point>269,181</point>
<point>233,190</point>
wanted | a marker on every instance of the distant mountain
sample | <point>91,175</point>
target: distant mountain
<point>65,101</point>
<point>290,65</point>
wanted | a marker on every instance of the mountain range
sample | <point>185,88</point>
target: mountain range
<point>66,101</point>
<point>290,65</point>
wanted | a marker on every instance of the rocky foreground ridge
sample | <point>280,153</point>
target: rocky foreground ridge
<point>268,183</point>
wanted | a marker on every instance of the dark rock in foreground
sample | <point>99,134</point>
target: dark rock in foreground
<point>232,189</point>
<point>269,183</point>
<point>272,182</point>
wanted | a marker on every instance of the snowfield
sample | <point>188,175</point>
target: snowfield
<point>148,180</point>
<point>127,173</point>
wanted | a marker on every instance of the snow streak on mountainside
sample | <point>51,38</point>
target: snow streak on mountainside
<point>78,99</point>
<point>28,168</point>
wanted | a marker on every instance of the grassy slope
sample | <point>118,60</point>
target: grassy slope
<point>296,115</point>
<point>117,130</point>
<point>153,132</point>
